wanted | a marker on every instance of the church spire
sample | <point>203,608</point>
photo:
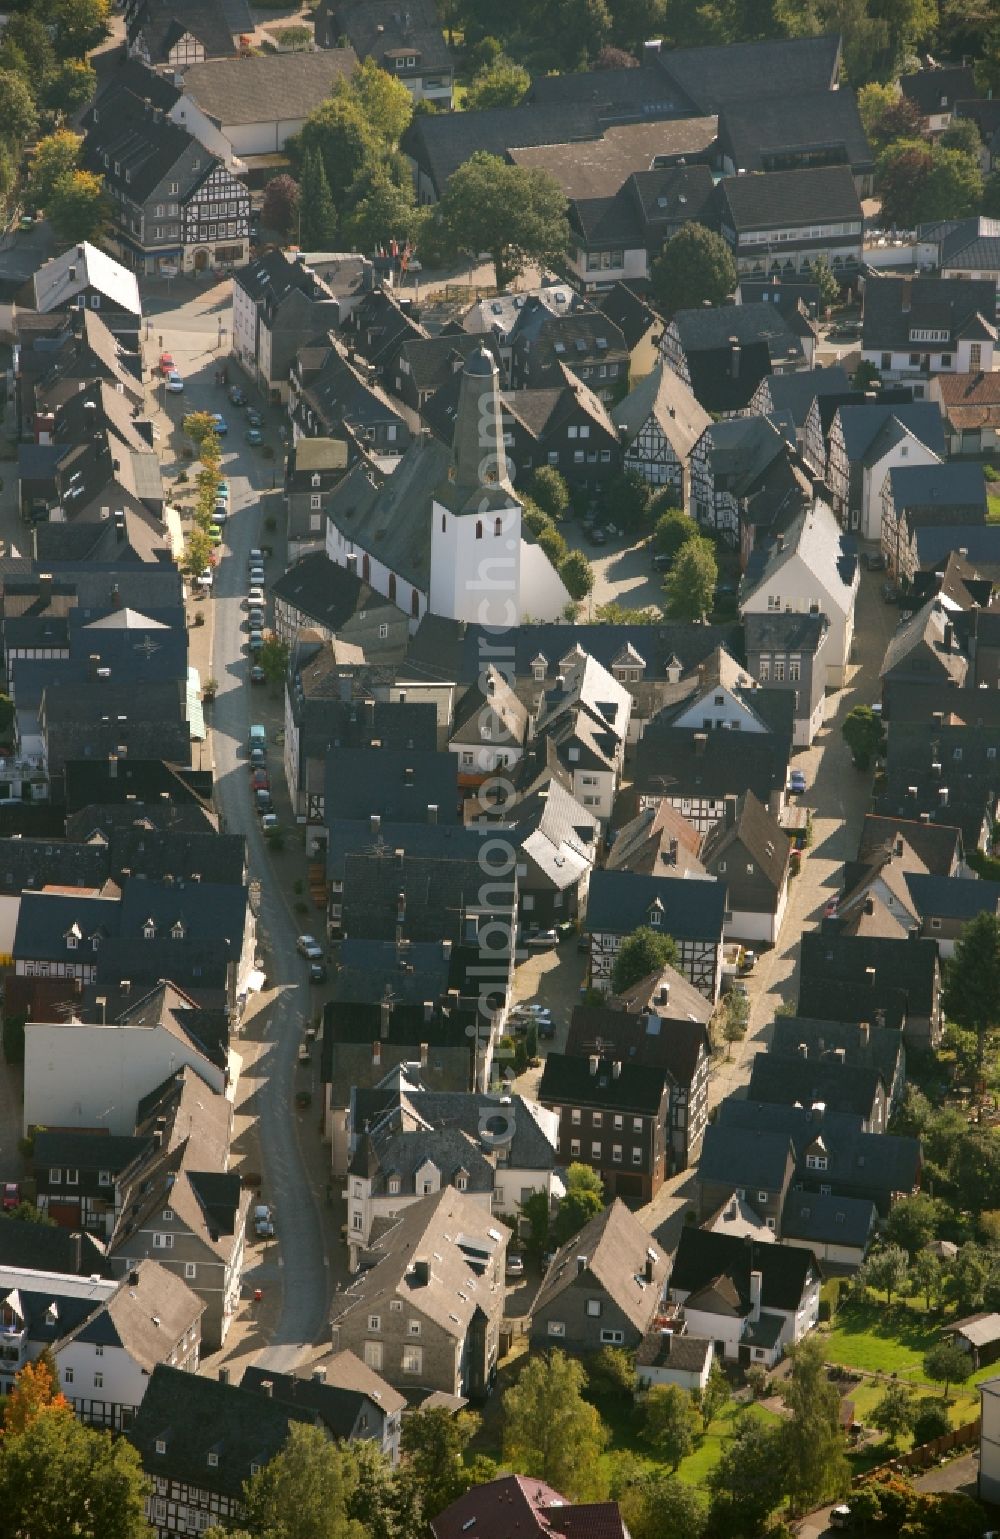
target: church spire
<point>477,476</point>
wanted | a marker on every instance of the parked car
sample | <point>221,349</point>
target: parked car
<point>662,562</point>
<point>255,619</point>
<point>11,1195</point>
<point>304,1054</point>
<point>546,1029</point>
<point>174,385</point>
<point>317,972</point>
<point>796,782</point>
<point>256,642</point>
<point>205,579</point>
<point>531,1010</point>
<point>255,597</point>
<point>254,436</point>
<point>874,561</point>
<point>220,424</point>
<point>263,1222</point>
<point>215,534</point>
<point>257,674</point>
<point>540,940</point>
<point>260,780</point>
<point>237,396</point>
<point>254,419</point>
<point>257,576</point>
<point>269,823</point>
<point>257,755</point>
<point>220,513</point>
<point>309,947</point>
<point>597,536</point>
<point>222,491</point>
<point>263,802</point>
<point>890,593</point>
<point>515,1266</point>
<point>256,557</point>
<point>166,365</point>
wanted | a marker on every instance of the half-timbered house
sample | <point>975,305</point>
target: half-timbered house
<point>660,421</point>
<point>693,913</point>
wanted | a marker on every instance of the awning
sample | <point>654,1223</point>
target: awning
<point>195,713</point>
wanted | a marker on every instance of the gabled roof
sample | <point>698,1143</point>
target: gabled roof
<point>146,1316</point>
<point>861,427</point>
<point>521,1504</point>
<point>620,902</point>
<point>703,1256</point>
<point>804,1081</point>
<point>328,593</point>
<point>614,1247</point>
<point>957,490</point>
<point>815,537</point>
<point>381,32</point>
<point>671,1036</point>
<point>758,1159</point>
<point>937,88</point>
<point>887,1163</point>
<point>441,141</point>
<point>958,306</point>
<point>335,1400</point>
<point>716,75</point>
<point>766,128</point>
<point>904,970</point>
<point>82,267</point>
<point>819,194</point>
<point>794,393</point>
<point>663,396</point>
<point>632,314</point>
<point>270,87</point>
<point>823,1219</point>
<point>397,783</point>
<point>757,832</point>
<point>602,1081</point>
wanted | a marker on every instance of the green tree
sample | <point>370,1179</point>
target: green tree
<point>947,1364</point>
<point>305,1490</point>
<point>874,99</point>
<point>70,86</point>
<point>550,492</point>
<point>536,1210</point>
<point>200,426</point>
<point>670,1422</point>
<point>517,215</point>
<point>29,1214</point>
<point>926,1276</point>
<point>895,1413</point>
<point>816,1465</point>
<point>885,1270</point>
<point>318,219</point>
<point>826,281</point>
<point>663,1507</point>
<point>865,374</point>
<point>714,1396</point>
<point>345,142</point>
<point>79,26</point>
<point>968,1277</point>
<point>382,211</point>
<point>919,182</point>
<point>433,1443</point>
<point>644,952</point>
<point>385,102</point>
<point>961,134</point>
<point>583,1199</point>
<point>500,84</point>
<point>198,552</point>
<point>56,155</point>
<point>913,1222</point>
<point>931,1421</point>
<point>955,186</point>
<point>626,499</point>
<point>273,658</point>
<point>577,574</point>
<point>386,1507</point>
<point>77,206</point>
<point>18,118</point>
<point>60,1478</point>
<point>690,584</point>
<point>673,529</point>
<point>553,543</point>
<point>988,65</point>
<point>281,204</point>
<point>735,1019</point>
<point>862,732</point>
<point>30,36</point>
<point>972,981</point>
<point>748,1482</point>
<point>695,267</point>
<point>612,1371</point>
<point>551,1432</point>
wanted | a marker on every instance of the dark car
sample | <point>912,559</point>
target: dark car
<point>254,419</point>
<point>662,562</point>
<point>597,536</point>
<point>890,593</point>
<point>257,674</point>
<point>317,972</point>
<point>263,802</point>
<point>237,396</point>
<point>874,561</point>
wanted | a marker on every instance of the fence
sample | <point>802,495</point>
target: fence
<point>926,1454</point>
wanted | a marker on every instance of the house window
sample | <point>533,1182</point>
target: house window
<point>462,1182</point>
<point>168,1214</point>
<point>213,1461</point>
<point>761,1196</point>
<point>557,1327</point>
<point>595,1151</point>
<point>71,942</point>
<point>636,1155</point>
<point>593,1306</point>
<point>163,1242</point>
<point>393,1186</point>
<point>104,1178</point>
<point>413,1359</point>
<point>55,1177</point>
<point>479,528</point>
<point>596,1119</point>
<point>616,1154</point>
<point>316,500</point>
<point>374,1322</point>
<point>574,1146</point>
<point>612,1338</point>
<point>68,1379</point>
<point>413,1327</point>
<point>98,1381</point>
<point>655,918</point>
<point>619,1123</point>
<point>383,631</point>
<point>575,1116</point>
<point>161,1446</point>
<point>72,1178</point>
<point>392,587</point>
<point>637,1124</point>
<point>190,1270</point>
<point>373,1355</point>
<point>794,671</point>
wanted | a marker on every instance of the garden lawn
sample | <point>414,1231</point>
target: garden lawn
<point>624,1424</point>
<point>871,1337</point>
<point>993,508</point>
<point>696,1467</point>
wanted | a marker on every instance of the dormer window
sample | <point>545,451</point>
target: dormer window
<point>656,918</point>
<point>213,1461</point>
<point>71,941</point>
<point>315,479</point>
<point>149,930</point>
<point>161,1445</point>
<point>177,931</point>
<point>393,1186</point>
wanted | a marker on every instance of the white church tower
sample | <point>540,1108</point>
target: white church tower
<point>483,569</point>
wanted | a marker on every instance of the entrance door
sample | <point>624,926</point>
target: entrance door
<point>200,260</point>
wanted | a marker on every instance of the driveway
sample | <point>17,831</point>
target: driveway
<point>623,571</point>
<point>189,333</point>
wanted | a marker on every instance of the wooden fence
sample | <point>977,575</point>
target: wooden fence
<point>927,1454</point>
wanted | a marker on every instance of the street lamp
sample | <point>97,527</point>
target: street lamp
<point>222,333</point>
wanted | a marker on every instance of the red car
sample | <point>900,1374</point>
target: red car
<point>167,364</point>
<point>260,781</point>
<point>11,1195</point>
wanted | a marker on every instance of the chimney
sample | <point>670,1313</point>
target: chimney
<point>376,822</point>
<point>864,1033</point>
<point>424,1050</point>
<point>663,994</point>
<point>700,744</point>
<point>949,635</point>
<point>943,796</point>
<point>93,665</point>
<point>420,1273</point>
<point>319,1375</point>
<point>370,714</point>
<point>112,766</point>
<point>906,294</point>
<point>428,1010</point>
<point>937,717</point>
<point>446,949</point>
<point>407,772</point>
<point>870,977</point>
<point>45,586</point>
<point>594,1062</point>
<point>385,1017</point>
<point>581,1265</point>
<point>899,844</point>
<point>756,1284</point>
<point>133,1278</point>
<point>734,358</point>
<point>803,1049</point>
<point>647,1270</point>
<point>116,598</point>
<point>223,1375</point>
<point>869,904</point>
<point>730,812</point>
<point>432,812</point>
<point>267,1388</point>
<point>779,542</point>
<point>925,817</point>
<point>616,1069</point>
<point>351,563</point>
<point>376,1054</point>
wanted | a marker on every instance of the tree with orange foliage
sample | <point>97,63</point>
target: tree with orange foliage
<point>36,1390</point>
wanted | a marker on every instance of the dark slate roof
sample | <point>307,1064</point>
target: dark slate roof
<point>671,1042</point>
<point>981,543</point>
<point>703,1255</point>
<point>177,855</point>
<point>272,86</point>
<point>820,194</point>
<point>960,306</point>
<point>904,969</point>
<point>758,1159</point>
<point>631,313</point>
<point>434,841</point>
<point>85,1151</point>
<point>328,593</point>
<point>953,897</point>
<point>147,147</point>
<point>441,141</point>
<point>670,1349</point>
<point>45,862</point>
<point>568,1081</point>
<point>195,1416</point>
<point>616,1246</point>
<point>937,89</point>
<point>133,781</point>
<point>644,93</point>
<point>863,425</point>
<point>795,393</point>
<point>619,902</point>
<point>397,783</point>
<point>884,1161</point>
<point>758,833</point>
<point>717,75</point>
<point>398,724</point>
<point>377,28</point>
<point>334,1406</point>
<point>431,361</point>
<point>803,1081</point>
<point>879,1046</point>
<point>767,126</point>
<point>44,1249</point>
<point>668,763</point>
<point>215,23</point>
<point>439,894</point>
<point>784,632</point>
<point>824,1219</point>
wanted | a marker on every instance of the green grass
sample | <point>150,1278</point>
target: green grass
<point>993,508</point>
<point>870,1337</point>
<point>624,1423</point>
<point>696,1467</point>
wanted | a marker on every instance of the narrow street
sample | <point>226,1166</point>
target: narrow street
<point>190,332</point>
